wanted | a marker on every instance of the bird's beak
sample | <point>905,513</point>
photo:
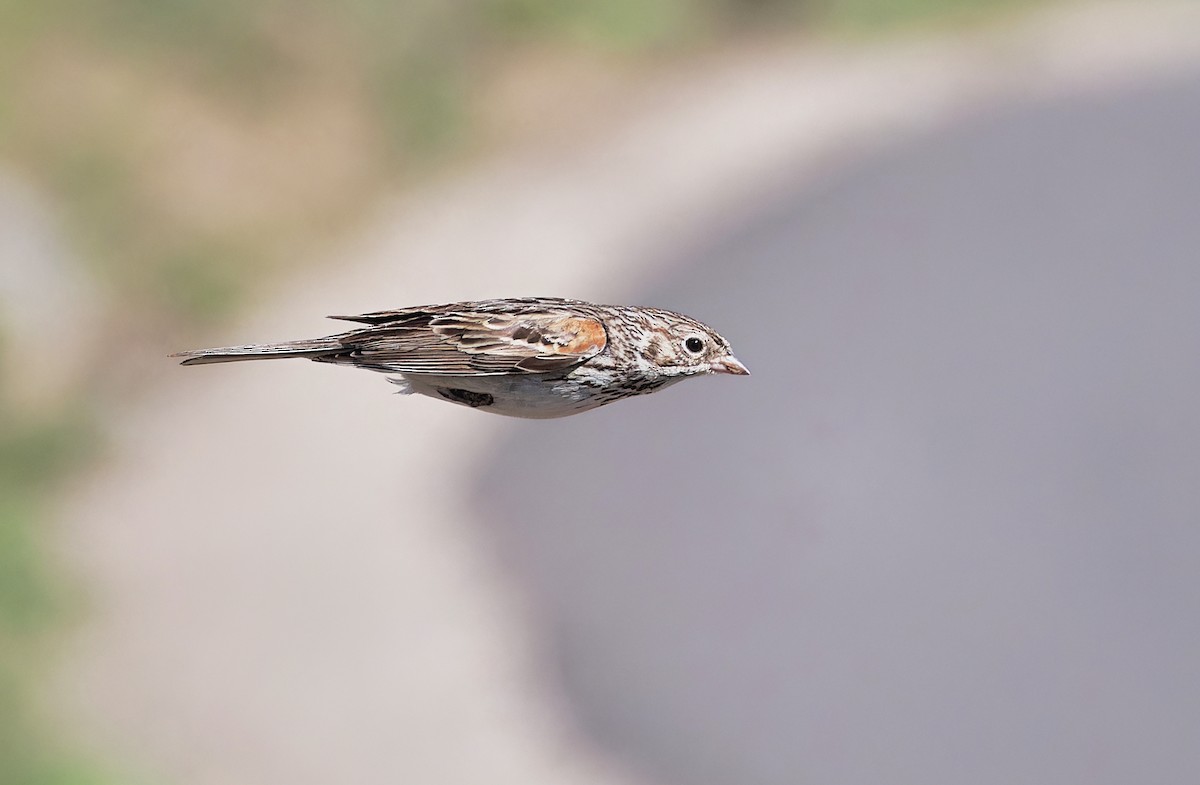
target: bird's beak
<point>729,364</point>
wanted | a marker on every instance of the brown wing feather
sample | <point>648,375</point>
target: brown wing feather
<point>531,305</point>
<point>471,343</point>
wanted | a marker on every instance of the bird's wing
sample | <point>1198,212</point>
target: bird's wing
<point>474,343</point>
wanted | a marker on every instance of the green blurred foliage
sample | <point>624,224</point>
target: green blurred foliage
<point>201,279</point>
<point>421,107</point>
<point>630,25</point>
<point>34,457</point>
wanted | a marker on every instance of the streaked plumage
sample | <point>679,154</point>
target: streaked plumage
<point>530,357</point>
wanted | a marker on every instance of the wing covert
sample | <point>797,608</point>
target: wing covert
<point>470,343</point>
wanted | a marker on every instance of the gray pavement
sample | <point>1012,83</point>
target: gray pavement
<point>949,530</point>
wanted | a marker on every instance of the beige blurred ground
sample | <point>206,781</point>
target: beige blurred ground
<point>287,582</point>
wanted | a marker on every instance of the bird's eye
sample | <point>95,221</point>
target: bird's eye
<point>694,345</point>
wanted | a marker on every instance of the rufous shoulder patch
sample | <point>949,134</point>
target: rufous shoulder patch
<point>590,335</point>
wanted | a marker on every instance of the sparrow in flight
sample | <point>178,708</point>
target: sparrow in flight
<point>536,357</point>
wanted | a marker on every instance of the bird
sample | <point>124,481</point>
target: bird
<point>532,357</point>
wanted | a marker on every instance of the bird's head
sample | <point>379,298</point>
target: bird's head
<point>679,346</point>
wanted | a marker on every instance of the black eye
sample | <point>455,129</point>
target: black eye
<point>694,345</point>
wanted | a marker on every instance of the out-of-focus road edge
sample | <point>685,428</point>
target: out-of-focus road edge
<point>287,583</point>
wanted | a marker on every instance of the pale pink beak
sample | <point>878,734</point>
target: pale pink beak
<point>731,365</point>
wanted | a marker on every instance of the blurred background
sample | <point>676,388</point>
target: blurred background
<point>949,530</point>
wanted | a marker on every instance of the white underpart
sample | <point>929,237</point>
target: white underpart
<point>530,396</point>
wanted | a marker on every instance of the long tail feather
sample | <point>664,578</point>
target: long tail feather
<point>313,349</point>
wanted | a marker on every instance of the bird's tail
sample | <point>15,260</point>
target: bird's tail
<point>314,349</point>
